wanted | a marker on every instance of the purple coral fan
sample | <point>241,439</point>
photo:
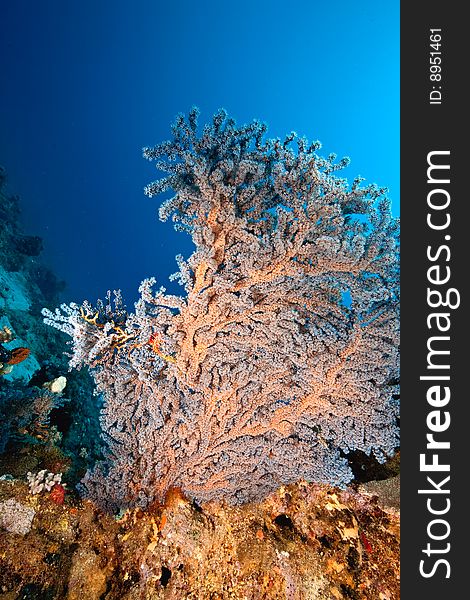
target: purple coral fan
<point>283,354</point>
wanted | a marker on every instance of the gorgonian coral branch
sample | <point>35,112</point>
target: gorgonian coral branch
<point>283,355</point>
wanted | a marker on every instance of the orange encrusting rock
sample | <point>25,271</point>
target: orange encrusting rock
<point>303,542</point>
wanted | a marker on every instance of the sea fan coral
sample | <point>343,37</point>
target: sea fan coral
<point>283,355</point>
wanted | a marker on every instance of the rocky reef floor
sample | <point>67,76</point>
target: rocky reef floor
<point>305,541</point>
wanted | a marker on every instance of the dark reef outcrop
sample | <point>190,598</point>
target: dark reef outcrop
<point>35,422</point>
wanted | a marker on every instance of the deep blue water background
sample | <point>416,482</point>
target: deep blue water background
<point>85,85</point>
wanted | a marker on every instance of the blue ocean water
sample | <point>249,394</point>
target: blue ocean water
<point>86,85</point>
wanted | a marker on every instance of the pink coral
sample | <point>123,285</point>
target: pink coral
<point>275,374</point>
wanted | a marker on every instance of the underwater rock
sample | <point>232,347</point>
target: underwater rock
<point>48,283</point>
<point>29,245</point>
<point>303,542</point>
<point>14,291</point>
<point>39,428</point>
<point>387,491</point>
<point>87,579</point>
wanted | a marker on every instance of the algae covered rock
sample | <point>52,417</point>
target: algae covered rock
<point>303,542</point>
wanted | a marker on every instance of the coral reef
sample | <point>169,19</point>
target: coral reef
<point>10,357</point>
<point>25,414</point>
<point>304,542</point>
<point>283,355</point>
<point>43,481</point>
<point>40,428</point>
<point>16,517</point>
